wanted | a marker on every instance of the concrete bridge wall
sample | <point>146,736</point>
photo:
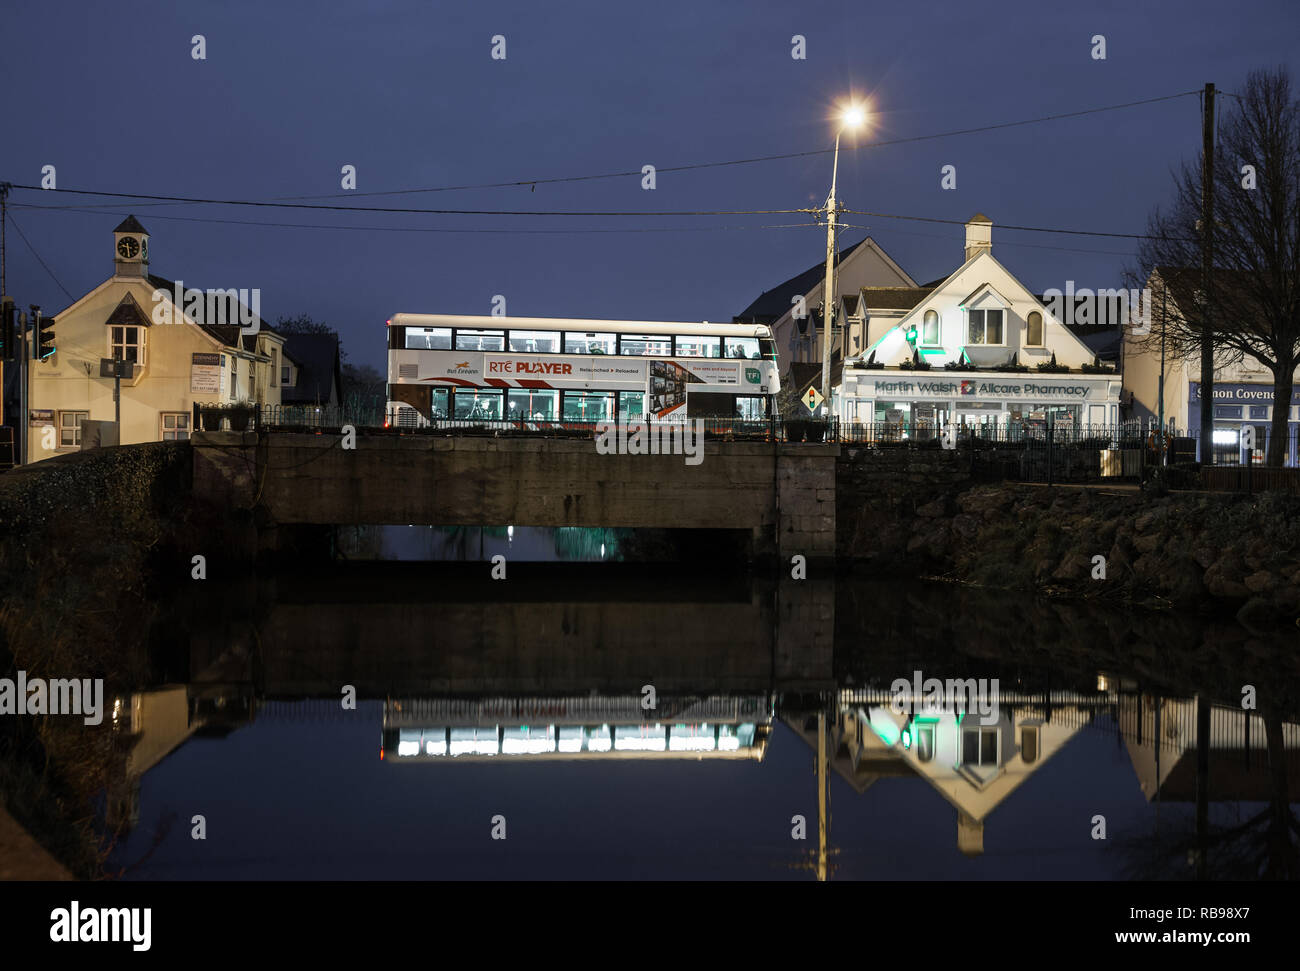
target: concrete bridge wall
<point>785,493</point>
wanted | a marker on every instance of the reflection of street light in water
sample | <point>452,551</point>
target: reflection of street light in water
<point>510,534</point>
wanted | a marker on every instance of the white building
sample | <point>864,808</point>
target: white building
<point>179,355</point>
<point>975,349</point>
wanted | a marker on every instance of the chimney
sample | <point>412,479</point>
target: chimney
<point>979,235</point>
<point>970,835</point>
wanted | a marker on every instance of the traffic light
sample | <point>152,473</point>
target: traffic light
<point>8,330</point>
<point>44,338</point>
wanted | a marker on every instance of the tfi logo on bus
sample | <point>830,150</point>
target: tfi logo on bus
<point>646,439</point>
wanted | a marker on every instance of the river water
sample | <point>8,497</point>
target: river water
<point>608,720</point>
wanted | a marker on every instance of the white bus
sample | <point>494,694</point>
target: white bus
<point>554,369</point>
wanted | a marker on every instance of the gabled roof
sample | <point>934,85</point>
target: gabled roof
<point>317,358</point>
<point>228,334</point>
<point>895,298</point>
<point>128,314</point>
<point>772,304</point>
<point>1185,285</point>
<point>979,289</point>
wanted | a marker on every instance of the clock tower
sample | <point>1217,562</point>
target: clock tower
<point>130,249</point>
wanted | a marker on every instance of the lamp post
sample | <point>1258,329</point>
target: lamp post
<point>850,118</point>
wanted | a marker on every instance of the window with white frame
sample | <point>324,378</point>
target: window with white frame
<point>930,329</point>
<point>175,426</point>
<point>1034,329</point>
<point>285,376</point>
<point>979,747</point>
<point>985,327</point>
<point>126,343</point>
<point>70,428</point>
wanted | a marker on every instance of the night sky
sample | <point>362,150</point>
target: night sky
<point>409,94</point>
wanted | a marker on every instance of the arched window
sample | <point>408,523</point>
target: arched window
<point>1034,330</point>
<point>930,328</point>
<point>1029,745</point>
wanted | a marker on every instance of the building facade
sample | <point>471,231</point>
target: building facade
<point>182,345</point>
<point>1243,388</point>
<point>976,349</point>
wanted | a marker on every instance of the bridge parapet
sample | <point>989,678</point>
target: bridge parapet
<point>785,493</point>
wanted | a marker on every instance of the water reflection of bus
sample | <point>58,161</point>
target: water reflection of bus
<point>447,729</point>
<point>543,369</point>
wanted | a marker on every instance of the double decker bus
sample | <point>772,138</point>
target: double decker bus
<point>555,369</point>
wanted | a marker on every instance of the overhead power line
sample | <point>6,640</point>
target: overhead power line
<point>290,201</point>
<point>44,265</point>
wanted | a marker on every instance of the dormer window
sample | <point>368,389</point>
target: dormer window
<point>984,327</point>
<point>1034,329</point>
<point>930,329</point>
<point>126,343</point>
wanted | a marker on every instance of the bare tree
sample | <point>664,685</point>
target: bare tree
<point>1253,307</point>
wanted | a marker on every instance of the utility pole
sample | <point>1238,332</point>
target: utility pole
<point>1207,277</point>
<point>21,423</point>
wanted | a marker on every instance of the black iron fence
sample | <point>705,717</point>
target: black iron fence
<point>1130,452</point>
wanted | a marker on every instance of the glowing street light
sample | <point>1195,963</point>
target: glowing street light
<point>851,118</point>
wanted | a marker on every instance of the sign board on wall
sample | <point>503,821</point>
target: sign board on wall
<point>40,417</point>
<point>205,373</point>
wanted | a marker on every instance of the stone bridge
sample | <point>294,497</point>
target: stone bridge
<point>784,494</point>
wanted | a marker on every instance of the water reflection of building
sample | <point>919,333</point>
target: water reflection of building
<point>974,766</point>
<point>1161,737</point>
<point>537,729</point>
<point>159,721</point>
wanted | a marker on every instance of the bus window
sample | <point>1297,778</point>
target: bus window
<point>535,341</point>
<point>428,338</point>
<point>575,343</point>
<point>645,345</point>
<point>478,405</point>
<point>751,407</point>
<point>699,347</point>
<point>768,348</point>
<point>631,405</point>
<point>480,340</point>
<point>438,403</point>
<point>531,403</point>
<point>746,347</point>
<point>588,405</point>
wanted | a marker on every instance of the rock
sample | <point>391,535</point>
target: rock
<point>965,526</point>
<point>932,510</point>
<point>1143,522</point>
<point>1225,578</point>
<point>1260,582</point>
<point>1256,612</point>
<point>1205,556</point>
<point>1076,566</point>
<point>1148,543</point>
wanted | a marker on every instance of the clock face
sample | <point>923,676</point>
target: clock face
<point>127,247</point>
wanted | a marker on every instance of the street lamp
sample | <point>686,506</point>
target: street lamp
<point>851,118</point>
